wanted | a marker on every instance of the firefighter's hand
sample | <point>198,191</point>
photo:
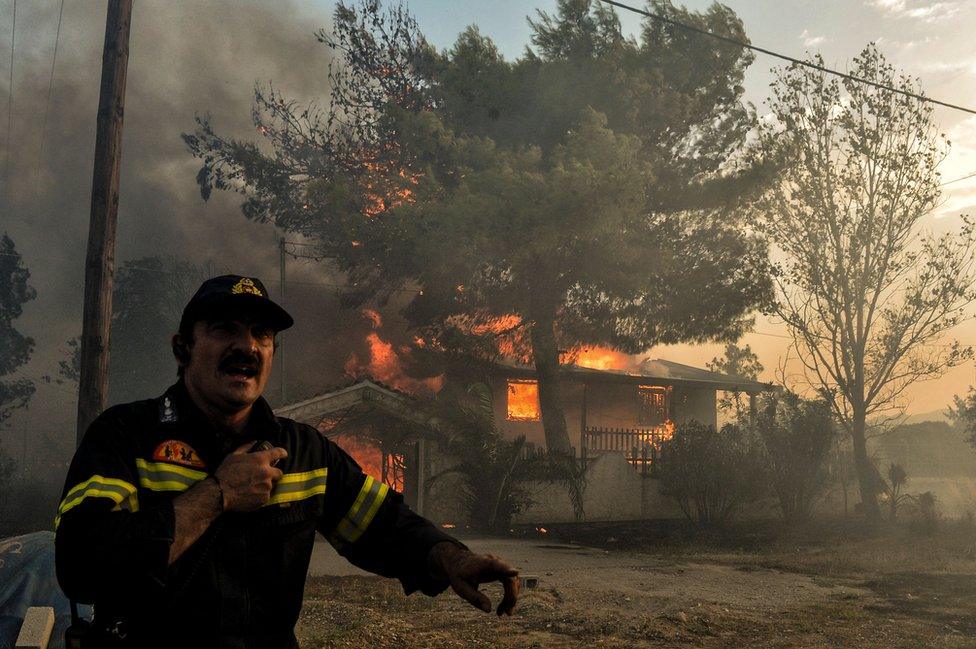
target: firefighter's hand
<point>248,478</point>
<point>466,570</point>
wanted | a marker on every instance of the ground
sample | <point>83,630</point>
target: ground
<point>838,585</point>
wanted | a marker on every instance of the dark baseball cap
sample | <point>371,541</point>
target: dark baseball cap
<point>230,294</point>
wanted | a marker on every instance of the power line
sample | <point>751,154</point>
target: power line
<point>10,105</point>
<point>50,85</point>
<point>814,66</point>
<point>967,177</point>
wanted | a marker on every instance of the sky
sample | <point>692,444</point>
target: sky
<point>194,57</point>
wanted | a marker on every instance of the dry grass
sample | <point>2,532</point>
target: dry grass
<point>919,591</point>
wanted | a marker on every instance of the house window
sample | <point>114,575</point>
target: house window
<point>653,405</point>
<point>523,400</point>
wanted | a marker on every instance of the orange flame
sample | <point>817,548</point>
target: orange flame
<point>523,400</point>
<point>385,363</point>
<point>370,459</point>
<point>379,199</point>
<point>601,358</point>
<point>504,327</point>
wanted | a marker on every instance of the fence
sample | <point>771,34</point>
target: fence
<point>640,446</point>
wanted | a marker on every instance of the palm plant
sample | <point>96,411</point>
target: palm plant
<point>493,471</point>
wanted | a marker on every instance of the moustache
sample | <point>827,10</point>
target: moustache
<point>238,360</point>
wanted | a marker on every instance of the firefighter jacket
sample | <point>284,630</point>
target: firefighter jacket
<point>240,585</point>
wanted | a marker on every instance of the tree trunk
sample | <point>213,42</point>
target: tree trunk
<point>546,355</point>
<point>866,477</point>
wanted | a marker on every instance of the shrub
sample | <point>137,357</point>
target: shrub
<point>797,435</point>
<point>896,480</point>
<point>925,514</point>
<point>710,473</point>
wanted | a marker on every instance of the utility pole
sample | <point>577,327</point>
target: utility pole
<point>100,260</point>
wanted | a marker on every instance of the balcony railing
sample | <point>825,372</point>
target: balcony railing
<point>639,446</point>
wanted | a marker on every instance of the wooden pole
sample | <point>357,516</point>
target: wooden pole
<point>100,261</point>
<point>280,353</point>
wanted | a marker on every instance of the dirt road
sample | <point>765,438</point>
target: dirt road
<point>628,576</point>
<point>588,597</point>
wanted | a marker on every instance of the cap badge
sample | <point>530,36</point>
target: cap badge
<point>246,285</point>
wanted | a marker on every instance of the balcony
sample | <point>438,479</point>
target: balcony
<point>641,447</point>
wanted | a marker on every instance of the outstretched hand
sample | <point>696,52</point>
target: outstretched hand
<point>466,570</point>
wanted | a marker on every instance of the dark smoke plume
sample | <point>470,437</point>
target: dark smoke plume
<point>186,58</point>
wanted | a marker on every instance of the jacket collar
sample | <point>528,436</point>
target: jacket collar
<point>176,407</point>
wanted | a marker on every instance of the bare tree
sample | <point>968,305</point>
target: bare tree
<point>866,295</point>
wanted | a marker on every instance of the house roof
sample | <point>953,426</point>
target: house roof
<point>377,395</point>
<point>657,370</point>
<point>404,406</point>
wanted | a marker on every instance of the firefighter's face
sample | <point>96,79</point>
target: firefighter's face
<point>230,361</point>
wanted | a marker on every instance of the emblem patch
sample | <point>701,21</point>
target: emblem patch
<point>177,452</point>
<point>246,285</point>
<point>167,414</point>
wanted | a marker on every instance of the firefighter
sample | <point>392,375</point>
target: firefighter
<point>189,520</point>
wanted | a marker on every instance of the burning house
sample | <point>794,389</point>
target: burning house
<point>616,419</point>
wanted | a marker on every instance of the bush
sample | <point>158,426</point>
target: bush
<point>710,473</point>
<point>797,434</point>
<point>896,481</point>
<point>493,470</point>
<point>925,513</point>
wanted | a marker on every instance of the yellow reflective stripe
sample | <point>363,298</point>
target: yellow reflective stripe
<point>129,504</point>
<point>360,515</point>
<point>299,486</point>
<point>163,485</point>
<point>102,480</point>
<point>303,476</point>
<point>163,476</point>
<point>292,496</point>
<point>98,486</point>
<point>166,467</point>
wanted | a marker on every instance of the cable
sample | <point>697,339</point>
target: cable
<point>10,106</point>
<point>958,179</point>
<point>50,86</point>
<point>784,57</point>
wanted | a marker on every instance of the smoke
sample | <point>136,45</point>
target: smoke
<point>186,58</point>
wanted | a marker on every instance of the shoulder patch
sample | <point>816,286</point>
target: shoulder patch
<point>177,452</point>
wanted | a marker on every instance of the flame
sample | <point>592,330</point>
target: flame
<point>385,362</point>
<point>374,317</point>
<point>379,198</point>
<point>601,358</point>
<point>668,431</point>
<point>448,526</point>
<point>505,329</point>
<point>370,459</point>
<point>523,400</point>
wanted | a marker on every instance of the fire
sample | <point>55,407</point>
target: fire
<point>499,325</point>
<point>601,358</point>
<point>378,198</point>
<point>523,400</point>
<point>506,329</point>
<point>448,526</point>
<point>385,362</point>
<point>374,317</point>
<point>370,459</point>
<point>668,431</point>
